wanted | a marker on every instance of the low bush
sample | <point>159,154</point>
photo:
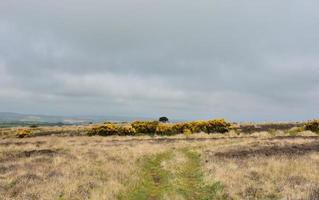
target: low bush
<point>145,127</point>
<point>217,126</point>
<point>154,127</point>
<point>34,126</point>
<point>312,126</point>
<point>187,132</point>
<point>197,126</point>
<point>295,131</point>
<point>180,127</point>
<point>104,130</point>
<point>166,129</point>
<point>210,126</point>
<point>126,130</point>
<point>22,133</point>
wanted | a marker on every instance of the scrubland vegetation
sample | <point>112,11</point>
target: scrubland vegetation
<point>211,159</point>
<point>154,127</point>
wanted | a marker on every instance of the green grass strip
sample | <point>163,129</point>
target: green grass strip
<point>191,184</point>
<point>154,181</point>
<point>184,181</point>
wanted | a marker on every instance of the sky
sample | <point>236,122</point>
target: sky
<point>243,60</point>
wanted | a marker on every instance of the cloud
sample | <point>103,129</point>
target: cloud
<point>243,60</point>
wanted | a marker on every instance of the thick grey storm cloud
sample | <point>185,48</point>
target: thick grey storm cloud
<point>242,60</point>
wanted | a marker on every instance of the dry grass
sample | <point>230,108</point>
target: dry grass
<point>52,167</point>
<point>248,173</point>
<point>68,168</point>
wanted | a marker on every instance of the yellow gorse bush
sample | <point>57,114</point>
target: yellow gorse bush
<point>210,126</point>
<point>104,130</point>
<point>154,127</point>
<point>126,130</point>
<point>145,127</point>
<point>187,132</point>
<point>197,126</point>
<point>217,126</point>
<point>180,127</point>
<point>21,133</point>
<point>112,129</point>
<point>166,129</point>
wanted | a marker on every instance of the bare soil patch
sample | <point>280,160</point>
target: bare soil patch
<point>46,152</point>
<point>22,143</point>
<point>7,156</point>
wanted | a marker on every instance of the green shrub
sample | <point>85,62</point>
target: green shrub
<point>312,126</point>
<point>163,119</point>
<point>145,127</point>
<point>22,133</point>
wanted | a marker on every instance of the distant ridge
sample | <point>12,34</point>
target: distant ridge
<point>11,117</point>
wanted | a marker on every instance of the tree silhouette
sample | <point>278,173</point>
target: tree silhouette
<point>163,119</point>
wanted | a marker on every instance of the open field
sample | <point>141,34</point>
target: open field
<point>262,165</point>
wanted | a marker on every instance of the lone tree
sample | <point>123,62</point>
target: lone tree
<point>163,119</point>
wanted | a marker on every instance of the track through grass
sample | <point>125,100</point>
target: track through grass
<point>173,175</point>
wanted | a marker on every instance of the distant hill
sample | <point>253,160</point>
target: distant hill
<point>18,118</point>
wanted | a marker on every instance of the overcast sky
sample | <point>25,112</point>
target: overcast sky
<point>244,60</point>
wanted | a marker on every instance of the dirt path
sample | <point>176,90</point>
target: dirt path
<point>173,175</point>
